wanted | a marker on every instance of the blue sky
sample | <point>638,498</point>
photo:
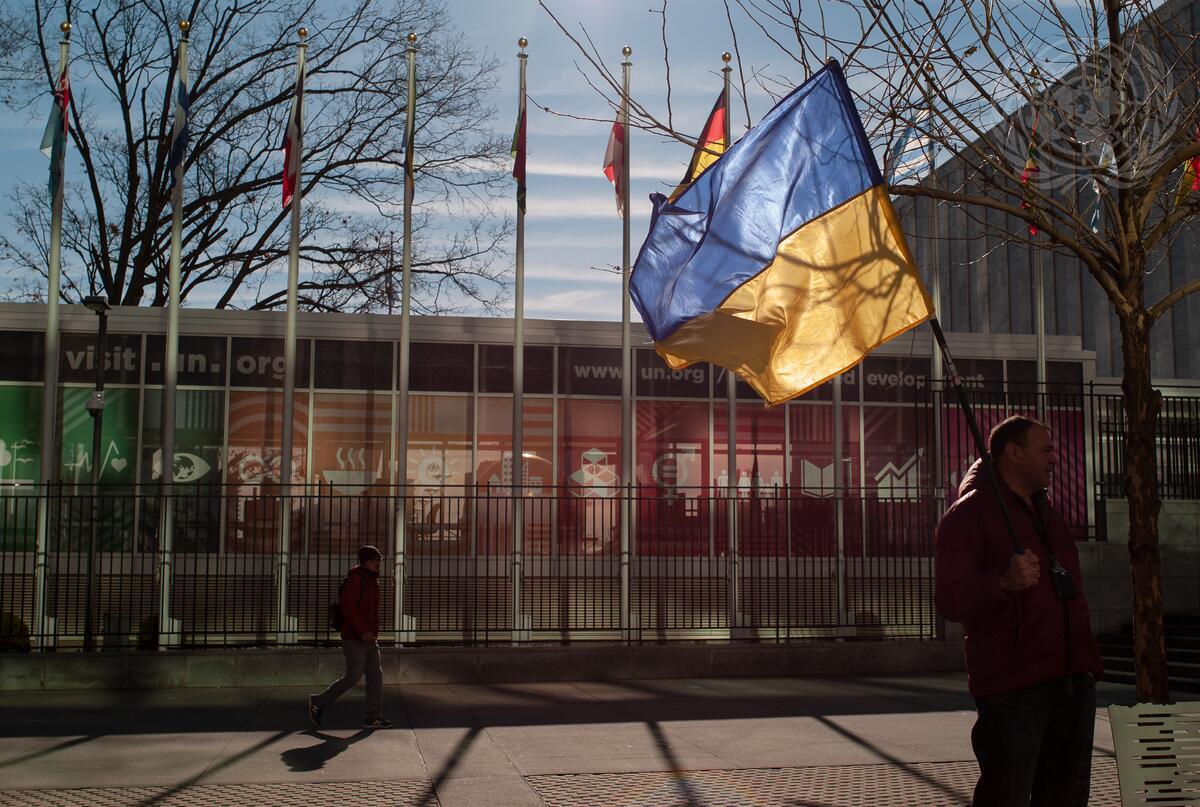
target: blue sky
<point>571,224</point>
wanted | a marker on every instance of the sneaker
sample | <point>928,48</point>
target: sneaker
<point>378,723</point>
<point>314,711</point>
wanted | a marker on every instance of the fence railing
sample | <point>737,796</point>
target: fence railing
<point>796,566</point>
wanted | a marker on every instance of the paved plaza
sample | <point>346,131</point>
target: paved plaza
<point>801,742</point>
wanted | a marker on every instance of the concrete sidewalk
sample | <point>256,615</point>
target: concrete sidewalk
<point>870,740</point>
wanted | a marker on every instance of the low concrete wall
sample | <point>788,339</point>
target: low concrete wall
<point>316,668</point>
<point>1106,582</point>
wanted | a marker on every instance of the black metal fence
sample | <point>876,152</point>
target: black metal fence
<point>770,564</point>
<point>799,566</point>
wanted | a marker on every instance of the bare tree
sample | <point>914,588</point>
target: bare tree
<point>116,227</point>
<point>1066,127</point>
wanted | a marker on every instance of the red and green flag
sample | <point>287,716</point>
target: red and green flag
<point>54,139</point>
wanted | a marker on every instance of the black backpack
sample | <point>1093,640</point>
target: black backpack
<point>336,620</point>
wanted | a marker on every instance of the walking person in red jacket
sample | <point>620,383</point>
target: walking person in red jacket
<point>358,602</point>
<point>1032,659</point>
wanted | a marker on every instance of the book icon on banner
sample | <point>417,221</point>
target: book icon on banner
<point>816,480</point>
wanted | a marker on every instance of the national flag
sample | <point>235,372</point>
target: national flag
<point>1189,183</point>
<point>1107,158</point>
<point>785,261</point>
<point>180,134</point>
<point>54,138</point>
<point>709,147</point>
<point>291,137</point>
<point>912,155</point>
<point>1030,172</point>
<point>614,162</point>
<point>518,154</point>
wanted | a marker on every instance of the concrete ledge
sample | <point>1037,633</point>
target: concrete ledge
<point>447,665</point>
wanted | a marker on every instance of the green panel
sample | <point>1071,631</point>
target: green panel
<point>199,438</point>
<point>118,468</point>
<point>20,463</point>
<point>118,437</point>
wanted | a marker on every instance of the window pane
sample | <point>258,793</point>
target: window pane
<point>258,362</point>
<point>20,465</point>
<point>590,467</point>
<point>589,371</point>
<point>253,470</point>
<point>22,355</point>
<point>201,360</point>
<point>441,367</point>
<point>123,365</point>
<point>762,519</point>
<point>353,365</point>
<point>199,438</point>
<point>495,369</point>
<point>656,380</point>
<point>493,475</point>
<point>351,462</point>
<point>437,469</point>
<point>672,473</point>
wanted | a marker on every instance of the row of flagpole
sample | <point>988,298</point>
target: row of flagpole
<point>617,170</point>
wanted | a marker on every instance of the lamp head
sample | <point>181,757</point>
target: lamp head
<point>96,303</point>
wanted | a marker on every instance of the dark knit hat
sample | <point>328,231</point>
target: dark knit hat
<point>366,553</point>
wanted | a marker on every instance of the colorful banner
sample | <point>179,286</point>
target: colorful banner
<point>20,464</point>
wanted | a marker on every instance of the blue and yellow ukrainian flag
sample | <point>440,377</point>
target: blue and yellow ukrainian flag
<point>784,261</point>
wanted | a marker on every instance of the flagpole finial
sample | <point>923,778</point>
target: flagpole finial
<point>412,37</point>
<point>303,32</point>
<point>626,51</point>
<point>726,57</point>
<point>522,43</point>
<point>65,28</point>
<point>184,27</point>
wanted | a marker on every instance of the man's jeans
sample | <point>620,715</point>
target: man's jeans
<point>1034,745</point>
<point>360,657</point>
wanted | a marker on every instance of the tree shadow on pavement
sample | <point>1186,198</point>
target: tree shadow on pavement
<point>314,757</point>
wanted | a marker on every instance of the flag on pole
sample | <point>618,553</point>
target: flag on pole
<point>804,287</point>
<point>180,134</point>
<point>709,147</point>
<point>518,154</point>
<point>54,138</point>
<point>291,136</point>
<point>1189,183</point>
<point>912,155</point>
<point>1107,158</point>
<point>1030,172</point>
<point>613,162</point>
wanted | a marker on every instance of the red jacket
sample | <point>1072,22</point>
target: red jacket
<point>360,604</point>
<point>1013,639</point>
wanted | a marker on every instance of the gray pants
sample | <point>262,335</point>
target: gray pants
<point>360,657</point>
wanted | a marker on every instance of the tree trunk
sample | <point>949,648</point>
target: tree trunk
<point>1142,404</point>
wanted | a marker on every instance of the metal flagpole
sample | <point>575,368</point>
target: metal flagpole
<point>1040,315</point>
<point>937,372</point>
<point>626,365</point>
<point>400,559</point>
<point>41,620</point>
<point>287,623</point>
<point>170,376</point>
<point>731,427</point>
<point>519,629</point>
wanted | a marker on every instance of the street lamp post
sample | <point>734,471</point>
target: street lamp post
<point>95,408</point>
